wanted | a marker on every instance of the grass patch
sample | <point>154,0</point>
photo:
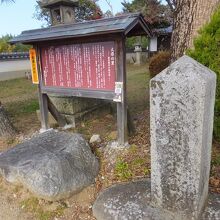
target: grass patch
<point>30,107</point>
<point>138,88</point>
<point>23,107</point>
<point>33,205</point>
<point>122,170</point>
<point>132,163</point>
<point>16,87</point>
<point>216,161</point>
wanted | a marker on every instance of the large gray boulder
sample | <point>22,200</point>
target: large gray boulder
<point>53,165</point>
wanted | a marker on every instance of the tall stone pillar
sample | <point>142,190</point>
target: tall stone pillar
<point>182,111</point>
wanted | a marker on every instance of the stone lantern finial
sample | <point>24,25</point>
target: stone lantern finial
<point>61,11</point>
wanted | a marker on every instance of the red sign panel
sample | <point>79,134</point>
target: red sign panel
<point>80,66</point>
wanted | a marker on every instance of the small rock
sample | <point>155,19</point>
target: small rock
<point>68,126</point>
<point>95,139</point>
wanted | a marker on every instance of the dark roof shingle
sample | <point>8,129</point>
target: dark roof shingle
<point>121,24</point>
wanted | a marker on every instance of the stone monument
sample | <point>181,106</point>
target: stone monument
<point>182,112</point>
<point>182,101</point>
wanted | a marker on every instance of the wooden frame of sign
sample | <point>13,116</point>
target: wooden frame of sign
<point>118,95</point>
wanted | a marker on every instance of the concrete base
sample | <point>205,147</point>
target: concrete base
<point>132,201</point>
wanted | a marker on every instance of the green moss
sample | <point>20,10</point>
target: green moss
<point>146,171</point>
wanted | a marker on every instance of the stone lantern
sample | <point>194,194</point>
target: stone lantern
<point>61,11</point>
<point>138,51</point>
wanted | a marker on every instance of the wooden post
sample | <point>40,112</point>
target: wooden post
<point>131,127</point>
<point>43,101</point>
<point>122,106</point>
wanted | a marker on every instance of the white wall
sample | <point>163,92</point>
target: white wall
<point>12,69</point>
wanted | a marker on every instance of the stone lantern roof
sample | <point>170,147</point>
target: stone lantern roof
<point>54,3</point>
<point>61,11</point>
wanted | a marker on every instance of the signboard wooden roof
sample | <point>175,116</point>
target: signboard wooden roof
<point>129,25</point>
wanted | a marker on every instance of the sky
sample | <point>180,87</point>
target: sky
<point>17,17</point>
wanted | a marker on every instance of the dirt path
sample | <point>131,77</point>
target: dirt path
<point>10,208</point>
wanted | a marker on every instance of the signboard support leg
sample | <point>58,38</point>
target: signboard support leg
<point>55,113</point>
<point>122,124</point>
<point>131,127</point>
<point>122,106</point>
<point>43,101</point>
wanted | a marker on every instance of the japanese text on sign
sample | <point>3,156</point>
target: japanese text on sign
<point>33,59</point>
<point>83,66</point>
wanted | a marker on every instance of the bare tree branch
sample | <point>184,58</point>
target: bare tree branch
<point>110,6</point>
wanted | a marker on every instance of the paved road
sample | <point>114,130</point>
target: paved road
<point>12,69</point>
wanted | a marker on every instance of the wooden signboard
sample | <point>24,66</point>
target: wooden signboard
<point>92,70</point>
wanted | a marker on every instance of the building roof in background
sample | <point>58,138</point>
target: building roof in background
<point>14,56</point>
<point>129,25</point>
<point>163,31</point>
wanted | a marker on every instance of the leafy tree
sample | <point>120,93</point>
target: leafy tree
<point>206,51</point>
<point>87,10</point>
<point>131,41</point>
<point>155,13</point>
<point>5,46</point>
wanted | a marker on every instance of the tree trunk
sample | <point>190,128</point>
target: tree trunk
<point>189,17</point>
<point>6,127</point>
<point>184,15</point>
